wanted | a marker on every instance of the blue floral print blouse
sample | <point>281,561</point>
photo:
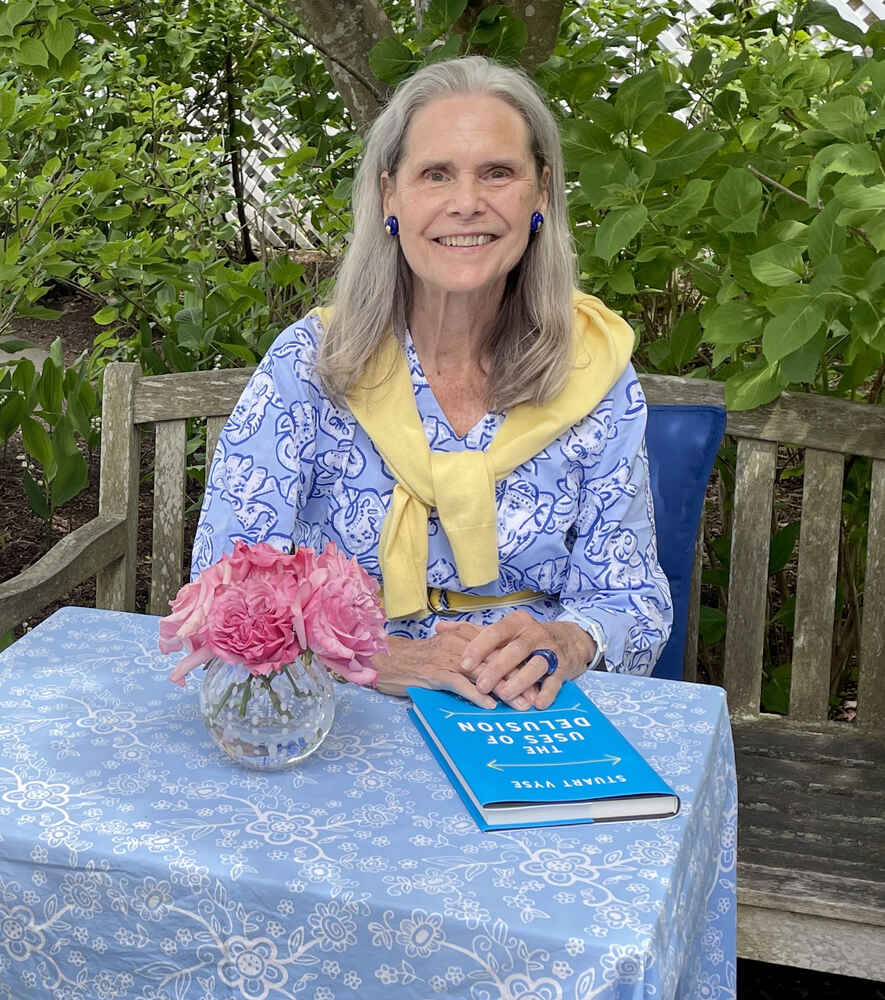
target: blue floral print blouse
<point>575,522</point>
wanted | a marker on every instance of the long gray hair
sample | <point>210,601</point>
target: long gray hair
<point>530,342</point>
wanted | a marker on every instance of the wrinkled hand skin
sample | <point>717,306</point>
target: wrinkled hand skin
<point>498,658</point>
<point>476,662</point>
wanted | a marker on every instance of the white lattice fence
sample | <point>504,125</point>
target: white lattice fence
<point>285,223</point>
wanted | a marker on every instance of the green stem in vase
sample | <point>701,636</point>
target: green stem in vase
<point>223,701</point>
<point>298,692</point>
<point>274,697</point>
<point>247,694</point>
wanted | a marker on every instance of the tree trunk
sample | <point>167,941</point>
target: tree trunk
<point>349,29</point>
<point>541,17</point>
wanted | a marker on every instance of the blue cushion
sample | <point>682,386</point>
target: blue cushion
<point>682,442</point>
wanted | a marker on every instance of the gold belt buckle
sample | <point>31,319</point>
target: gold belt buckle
<point>438,601</point>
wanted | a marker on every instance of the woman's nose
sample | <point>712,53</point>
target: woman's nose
<point>466,196</point>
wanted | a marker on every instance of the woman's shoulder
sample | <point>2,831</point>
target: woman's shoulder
<point>626,396</point>
<point>290,361</point>
<point>297,342</point>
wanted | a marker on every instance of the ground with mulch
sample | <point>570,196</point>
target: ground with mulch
<point>24,538</point>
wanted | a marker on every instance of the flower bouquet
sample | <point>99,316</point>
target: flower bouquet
<point>269,626</point>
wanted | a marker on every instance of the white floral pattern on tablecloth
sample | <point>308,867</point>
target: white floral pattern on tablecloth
<point>136,863</point>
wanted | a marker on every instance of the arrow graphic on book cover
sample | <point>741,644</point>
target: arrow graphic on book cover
<point>607,759</point>
<point>448,713</point>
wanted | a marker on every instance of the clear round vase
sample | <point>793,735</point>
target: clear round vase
<point>269,722</point>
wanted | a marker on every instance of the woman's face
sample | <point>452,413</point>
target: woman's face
<point>464,193</point>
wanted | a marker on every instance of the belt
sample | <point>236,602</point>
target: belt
<point>451,602</point>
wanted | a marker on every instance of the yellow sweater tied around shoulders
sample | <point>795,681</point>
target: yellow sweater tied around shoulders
<point>461,485</point>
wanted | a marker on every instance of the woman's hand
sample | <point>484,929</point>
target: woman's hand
<point>497,657</point>
<point>430,663</point>
<point>436,663</point>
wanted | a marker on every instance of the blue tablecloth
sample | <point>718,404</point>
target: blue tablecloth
<point>137,863</point>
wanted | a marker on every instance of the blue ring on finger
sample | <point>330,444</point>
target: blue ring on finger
<point>548,655</point>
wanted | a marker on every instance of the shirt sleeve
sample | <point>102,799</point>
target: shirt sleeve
<point>263,463</point>
<point>615,588</point>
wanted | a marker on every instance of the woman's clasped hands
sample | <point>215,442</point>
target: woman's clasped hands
<point>477,662</point>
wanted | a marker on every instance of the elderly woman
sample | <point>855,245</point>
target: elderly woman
<point>460,420</point>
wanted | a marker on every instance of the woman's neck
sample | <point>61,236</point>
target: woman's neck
<point>449,330</point>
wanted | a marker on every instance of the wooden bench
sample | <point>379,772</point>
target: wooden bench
<point>811,859</point>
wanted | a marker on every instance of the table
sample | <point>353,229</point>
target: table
<point>137,863</point>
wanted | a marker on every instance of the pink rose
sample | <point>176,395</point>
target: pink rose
<point>262,607</point>
<point>252,622</point>
<point>343,618</point>
<point>189,609</point>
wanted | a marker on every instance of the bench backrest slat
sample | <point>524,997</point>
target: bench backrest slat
<point>816,584</point>
<point>748,574</point>
<point>118,489</point>
<point>802,419</point>
<point>214,427</point>
<point>169,496</point>
<point>189,394</point>
<point>871,688</point>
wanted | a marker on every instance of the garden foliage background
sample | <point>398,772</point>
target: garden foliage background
<point>729,199</point>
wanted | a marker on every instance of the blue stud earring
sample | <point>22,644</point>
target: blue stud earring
<point>537,221</point>
<point>391,224</point>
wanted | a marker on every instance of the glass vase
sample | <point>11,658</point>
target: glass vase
<point>268,722</point>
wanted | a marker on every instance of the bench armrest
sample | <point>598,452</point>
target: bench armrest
<point>75,558</point>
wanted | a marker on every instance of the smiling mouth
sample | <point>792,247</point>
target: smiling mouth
<point>469,240</point>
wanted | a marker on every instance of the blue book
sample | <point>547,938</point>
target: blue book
<point>565,764</point>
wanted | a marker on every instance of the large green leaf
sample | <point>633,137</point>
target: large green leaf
<point>60,37</point>
<point>71,473</point>
<point>686,154</point>
<point>733,323</point>
<point>36,441</point>
<point>49,388</point>
<point>738,199</point>
<point>776,690</point>
<point>789,330</point>
<point>820,13</point>
<point>35,496</point>
<point>855,159</point>
<point>804,363</point>
<point>440,15</point>
<point>754,386</point>
<point>33,53</point>
<point>844,118</point>
<point>780,264</point>
<point>16,12</point>
<point>687,204</point>
<point>825,236</point>
<point>106,315</point>
<point>390,60</point>
<point>684,338</point>
<point>582,141</point>
<point>640,99</point>
<point>868,321</point>
<point>855,195</point>
<point>599,172</point>
<point>12,411</point>
<point>618,228</point>
<point>602,113</point>
<point>712,625</point>
<point>782,544</point>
